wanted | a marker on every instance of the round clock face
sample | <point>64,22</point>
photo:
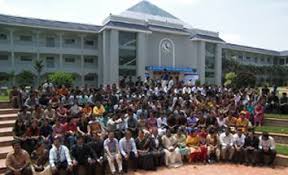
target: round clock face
<point>166,46</point>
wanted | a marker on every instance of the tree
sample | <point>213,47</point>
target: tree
<point>230,79</point>
<point>245,79</point>
<point>25,78</point>
<point>61,78</point>
<point>38,66</point>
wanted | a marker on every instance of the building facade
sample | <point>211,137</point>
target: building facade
<point>142,41</point>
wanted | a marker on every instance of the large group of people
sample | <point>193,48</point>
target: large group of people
<point>136,125</point>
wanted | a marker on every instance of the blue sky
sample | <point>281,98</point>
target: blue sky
<point>257,23</point>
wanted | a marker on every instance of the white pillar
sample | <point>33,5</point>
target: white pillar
<point>141,54</point>
<point>11,32</point>
<point>201,61</point>
<point>37,45</point>
<point>218,65</point>
<point>60,35</point>
<point>114,56</point>
<point>82,71</point>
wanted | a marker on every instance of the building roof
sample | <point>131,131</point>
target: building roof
<point>207,37</point>
<point>151,9</point>
<point>126,25</point>
<point>251,49</point>
<point>42,23</point>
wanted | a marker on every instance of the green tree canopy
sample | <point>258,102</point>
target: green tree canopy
<point>25,78</point>
<point>61,78</point>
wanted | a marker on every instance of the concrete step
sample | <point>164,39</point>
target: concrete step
<point>6,141</point>
<point>12,116</point>
<point>276,122</point>
<point>6,131</point>
<point>8,111</point>
<point>2,166</point>
<point>5,105</point>
<point>4,151</point>
<point>7,123</point>
<point>281,160</point>
<point>278,137</point>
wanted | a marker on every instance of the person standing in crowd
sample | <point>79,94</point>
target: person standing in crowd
<point>59,158</point>
<point>128,151</point>
<point>267,152</point>
<point>251,148</point>
<point>172,154</point>
<point>226,143</point>
<point>259,115</point>
<point>284,104</point>
<point>18,161</point>
<point>112,153</point>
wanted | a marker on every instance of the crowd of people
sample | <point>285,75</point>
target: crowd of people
<point>136,125</point>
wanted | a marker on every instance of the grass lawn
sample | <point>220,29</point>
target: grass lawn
<point>282,130</point>
<point>278,116</point>
<point>4,98</point>
<point>282,149</point>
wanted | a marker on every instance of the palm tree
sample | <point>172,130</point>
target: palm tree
<point>38,66</point>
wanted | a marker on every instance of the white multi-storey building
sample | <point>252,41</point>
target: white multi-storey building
<point>140,41</point>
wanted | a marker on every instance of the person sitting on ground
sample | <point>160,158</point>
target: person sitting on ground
<point>97,148</point>
<point>82,157</point>
<point>239,140</point>
<point>267,152</point>
<point>40,159</point>
<point>62,113</point>
<point>18,161</point>
<point>226,143</point>
<point>172,154</point>
<point>50,114</point>
<point>59,158</point>
<point>128,151</point>
<point>98,110</point>
<point>87,110</point>
<point>213,146</point>
<point>145,160</point>
<point>251,148</point>
<point>242,122</point>
<point>112,153</point>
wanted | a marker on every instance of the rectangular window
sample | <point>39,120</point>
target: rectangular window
<point>256,60</point>
<point>50,62</point>
<point>70,60</point>
<point>26,38</point>
<point>268,60</point>
<point>282,61</point>
<point>4,57</point>
<point>25,58</point>
<point>89,60</point>
<point>89,78</point>
<point>89,42</point>
<point>50,42</point>
<point>240,57</point>
<point>3,36</point>
<point>70,41</point>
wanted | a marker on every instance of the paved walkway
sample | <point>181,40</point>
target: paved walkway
<point>216,169</point>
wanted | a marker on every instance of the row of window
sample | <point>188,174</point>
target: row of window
<point>50,60</point>
<point>51,41</point>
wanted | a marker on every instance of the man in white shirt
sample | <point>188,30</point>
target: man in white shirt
<point>112,152</point>
<point>128,151</point>
<point>267,152</point>
<point>239,140</point>
<point>226,141</point>
<point>59,158</point>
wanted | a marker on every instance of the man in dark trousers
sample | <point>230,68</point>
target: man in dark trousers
<point>82,157</point>
<point>250,148</point>
<point>97,147</point>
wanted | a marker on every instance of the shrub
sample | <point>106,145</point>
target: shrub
<point>61,78</point>
<point>25,78</point>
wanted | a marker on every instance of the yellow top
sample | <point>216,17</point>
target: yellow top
<point>192,140</point>
<point>98,111</point>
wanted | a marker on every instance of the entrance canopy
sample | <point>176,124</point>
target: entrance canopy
<point>171,69</point>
